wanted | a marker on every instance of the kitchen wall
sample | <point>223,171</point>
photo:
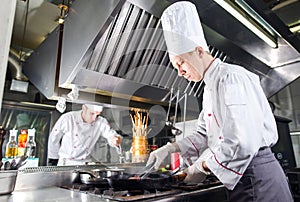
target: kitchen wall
<point>287,104</point>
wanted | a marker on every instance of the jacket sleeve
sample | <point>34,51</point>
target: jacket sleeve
<point>55,137</point>
<point>107,131</point>
<point>192,146</point>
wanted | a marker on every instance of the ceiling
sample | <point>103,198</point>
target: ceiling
<point>29,32</point>
<point>286,10</point>
<point>35,20</point>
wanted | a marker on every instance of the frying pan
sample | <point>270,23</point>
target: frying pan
<point>157,180</point>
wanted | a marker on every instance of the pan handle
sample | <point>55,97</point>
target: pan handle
<point>179,177</point>
<point>87,172</point>
<point>76,175</point>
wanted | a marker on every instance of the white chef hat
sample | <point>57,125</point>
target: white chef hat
<point>96,108</point>
<point>182,28</point>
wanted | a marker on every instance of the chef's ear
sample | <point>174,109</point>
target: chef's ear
<point>83,108</point>
<point>200,51</point>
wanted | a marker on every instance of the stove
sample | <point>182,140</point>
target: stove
<point>106,192</point>
<point>121,195</point>
<point>136,195</point>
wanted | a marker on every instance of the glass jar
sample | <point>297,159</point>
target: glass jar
<point>30,146</point>
<point>12,146</point>
<point>139,149</point>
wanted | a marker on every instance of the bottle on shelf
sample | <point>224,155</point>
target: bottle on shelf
<point>30,146</point>
<point>22,139</point>
<point>12,146</point>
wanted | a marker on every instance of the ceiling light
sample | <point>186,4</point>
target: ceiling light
<point>256,17</point>
<point>250,24</point>
<point>61,104</point>
<point>295,29</point>
<point>63,13</point>
<point>20,86</point>
<point>60,20</point>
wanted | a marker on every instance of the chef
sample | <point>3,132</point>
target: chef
<point>75,134</point>
<point>235,128</point>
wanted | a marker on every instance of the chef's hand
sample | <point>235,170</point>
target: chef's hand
<point>158,156</point>
<point>194,175</point>
<point>116,140</point>
<point>198,171</point>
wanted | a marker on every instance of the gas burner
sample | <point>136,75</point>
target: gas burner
<point>112,193</point>
<point>133,195</point>
<point>84,188</point>
<point>88,188</point>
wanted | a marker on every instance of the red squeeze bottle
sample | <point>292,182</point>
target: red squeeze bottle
<point>175,160</point>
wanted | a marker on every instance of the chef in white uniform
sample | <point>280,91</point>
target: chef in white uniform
<point>235,128</point>
<point>75,134</point>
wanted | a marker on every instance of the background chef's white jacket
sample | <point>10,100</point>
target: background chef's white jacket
<point>72,140</point>
<point>236,120</point>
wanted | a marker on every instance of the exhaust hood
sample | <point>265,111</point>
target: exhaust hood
<point>114,52</point>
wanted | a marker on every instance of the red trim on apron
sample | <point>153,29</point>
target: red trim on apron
<point>226,167</point>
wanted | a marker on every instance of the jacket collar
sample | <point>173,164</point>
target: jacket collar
<point>211,72</point>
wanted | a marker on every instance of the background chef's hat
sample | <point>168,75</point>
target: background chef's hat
<point>96,108</point>
<point>182,28</point>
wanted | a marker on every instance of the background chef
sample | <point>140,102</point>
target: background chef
<point>235,128</point>
<point>75,134</point>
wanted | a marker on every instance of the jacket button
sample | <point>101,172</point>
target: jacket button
<point>220,137</point>
<point>209,114</point>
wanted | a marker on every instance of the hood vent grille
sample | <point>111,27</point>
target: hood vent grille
<point>115,49</point>
<point>133,48</point>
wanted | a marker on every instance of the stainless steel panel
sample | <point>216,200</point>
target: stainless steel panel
<point>115,86</point>
<point>8,181</point>
<point>43,63</point>
<point>155,7</point>
<point>85,20</point>
<point>280,77</point>
<point>121,42</point>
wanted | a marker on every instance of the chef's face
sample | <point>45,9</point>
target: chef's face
<point>88,115</point>
<point>189,65</point>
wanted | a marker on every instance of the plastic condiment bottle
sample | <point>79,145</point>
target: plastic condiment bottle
<point>12,146</point>
<point>22,139</point>
<point>30,146</point>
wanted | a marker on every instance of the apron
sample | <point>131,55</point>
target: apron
<point>262,180</point>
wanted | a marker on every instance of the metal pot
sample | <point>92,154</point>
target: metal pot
<point>94,176</point>
<point>8,181</point>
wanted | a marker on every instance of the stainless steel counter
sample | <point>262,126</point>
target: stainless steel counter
<point>44,184</point>
<point>56,194</point>
<point>48,195</point>
<point>51,176</point>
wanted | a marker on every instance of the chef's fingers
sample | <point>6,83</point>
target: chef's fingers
<point>155,160</point>
<point>150,159</point>
<point>116,140</point>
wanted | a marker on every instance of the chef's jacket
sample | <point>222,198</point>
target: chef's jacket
<point>72,140</point>
<point>236,120</point>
